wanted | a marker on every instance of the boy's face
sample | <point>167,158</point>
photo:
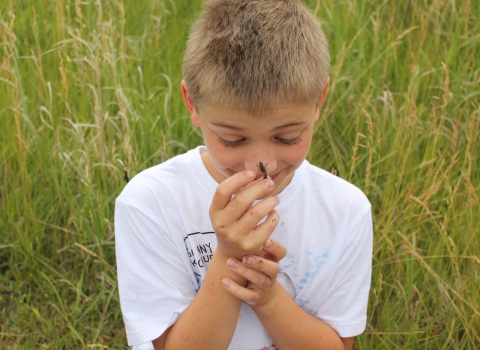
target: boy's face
<point>236,141</point>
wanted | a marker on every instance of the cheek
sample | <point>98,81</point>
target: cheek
<point>297,153</point>
<point>224,160</point>
<point>222,157</point>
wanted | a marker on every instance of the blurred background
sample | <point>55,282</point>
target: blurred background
<point>90,96</point>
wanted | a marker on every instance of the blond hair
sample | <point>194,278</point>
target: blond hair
<point>254,54</point>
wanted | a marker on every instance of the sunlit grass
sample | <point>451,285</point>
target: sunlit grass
<point>89,97</point>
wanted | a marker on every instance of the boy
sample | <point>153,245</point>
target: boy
<point>210,254</point>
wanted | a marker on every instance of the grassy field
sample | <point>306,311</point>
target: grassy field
<point>89,96</point>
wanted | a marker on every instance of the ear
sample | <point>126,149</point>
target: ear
<point>190,105</point>
<point>322,99</point>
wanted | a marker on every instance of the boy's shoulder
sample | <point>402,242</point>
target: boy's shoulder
<point>335,190</point>
<point>159,178</point>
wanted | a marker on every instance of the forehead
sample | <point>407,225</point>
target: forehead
<point>285,113</point>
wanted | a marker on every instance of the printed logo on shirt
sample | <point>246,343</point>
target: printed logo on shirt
<point>296,274</point>
<point>200,247</point>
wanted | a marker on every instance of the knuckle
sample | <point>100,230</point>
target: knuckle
<point>244,245</point>
<point>268,282</point>
<point>274,245</point>
<point>221,192</point>
<point>272,202</point>
<point>278,247</point>
<point>260,264</point>
<point>260,279</point>
<point>253,297</point>
<point>258,250</point>
<point>256,217</point>
<point>218,226</point>
<point>235,202</point>
<point>280,250</point>
<point>277,250</point>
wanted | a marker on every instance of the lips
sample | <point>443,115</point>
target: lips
<point>231,172</point>
<point>274,176</point>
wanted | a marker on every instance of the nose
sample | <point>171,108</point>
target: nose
<point>268,164</point>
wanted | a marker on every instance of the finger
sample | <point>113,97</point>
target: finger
<point>244,199</point>
<point>245,241</point>
<point>254,214</point>
<point>228,187</point>
<point>248,295</point>
<point>273,250</point>
<point>259,278</point>
<point>261,265</point>
<point>252,242</point>
<point>263,231</point>
<point>252,183</point>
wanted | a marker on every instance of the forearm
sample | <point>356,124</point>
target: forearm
<point>290,327</point>
<point>210,320</point>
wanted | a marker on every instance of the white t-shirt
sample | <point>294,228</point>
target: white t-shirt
<point>165,241</point>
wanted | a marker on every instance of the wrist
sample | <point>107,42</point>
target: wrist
<point>221,255</point>
<point>221,270</point>
<point>270,302</point>
<point>230,252</point>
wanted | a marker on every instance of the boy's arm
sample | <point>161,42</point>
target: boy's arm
<point>220,322</point>
<point>210,320</point>
<point>289,326</point>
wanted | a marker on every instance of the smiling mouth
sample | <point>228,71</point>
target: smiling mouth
<point>274,176</point>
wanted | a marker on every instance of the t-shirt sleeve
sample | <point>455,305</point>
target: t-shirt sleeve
<point>345,309</point>
<point>155,286</point>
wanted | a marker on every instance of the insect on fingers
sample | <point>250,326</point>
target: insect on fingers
<point>263,169</point>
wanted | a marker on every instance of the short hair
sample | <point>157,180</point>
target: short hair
<point>254,54</point>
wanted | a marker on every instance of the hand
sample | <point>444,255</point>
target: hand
<point>235,220</point>
<point>261,273</point>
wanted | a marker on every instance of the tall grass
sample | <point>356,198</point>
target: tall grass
<point>89,97</point>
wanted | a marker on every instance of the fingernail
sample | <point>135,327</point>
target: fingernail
<point>268,243</point>
<point>249,260</point>
<point>269,183</point>
<point>232,263</point>
<point>249,173</point>
<point>278,200</point>
<point>226,282</point>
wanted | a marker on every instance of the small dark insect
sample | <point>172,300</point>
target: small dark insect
<point>263,169</point>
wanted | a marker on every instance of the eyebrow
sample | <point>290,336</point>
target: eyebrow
<point>236,128</point>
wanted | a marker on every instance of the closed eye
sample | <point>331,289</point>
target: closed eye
<point>289,142</point>
<point>231,143</point>
<point>236,143</point>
